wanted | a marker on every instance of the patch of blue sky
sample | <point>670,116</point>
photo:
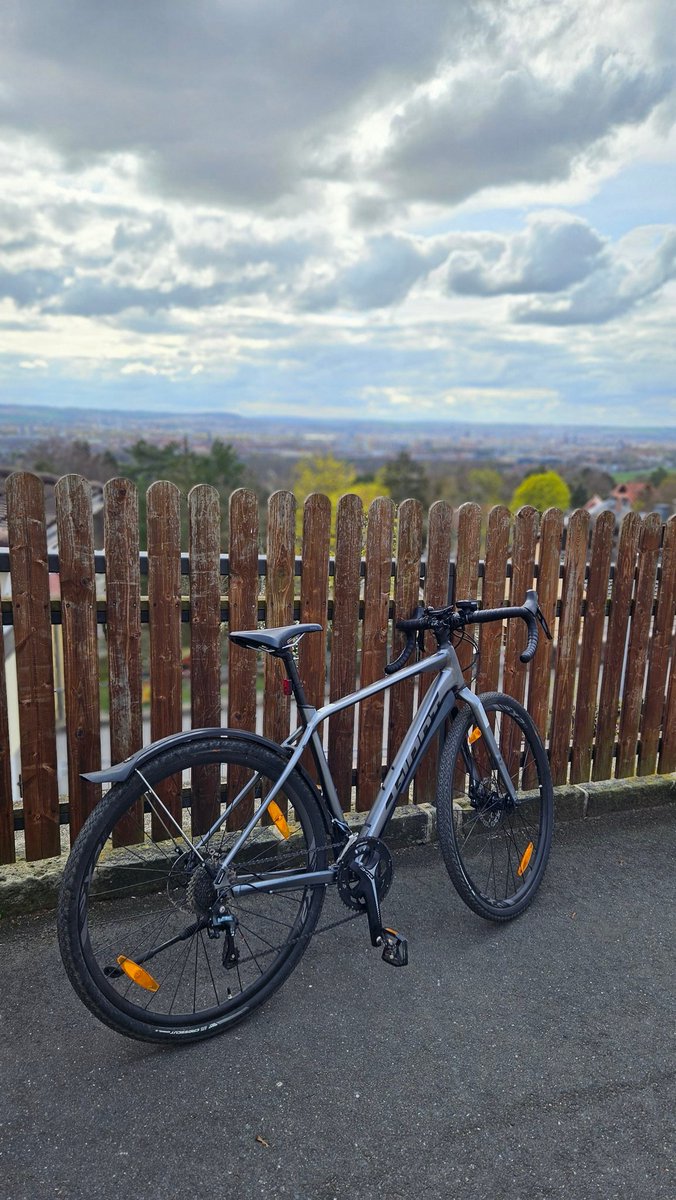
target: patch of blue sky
<point>640,195</point>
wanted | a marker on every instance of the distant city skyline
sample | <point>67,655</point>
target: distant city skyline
<point>442,212</point>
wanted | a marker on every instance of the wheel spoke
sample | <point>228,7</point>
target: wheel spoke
<point>153,901</point>
<point>485,851</point>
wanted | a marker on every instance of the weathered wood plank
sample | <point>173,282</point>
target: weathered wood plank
<point>164,603</point>
<point>123,634</point>
<point>7,849</point>
<point>406,599</point>
<point>493,596</point>
<point>342,676</point>
<point>34,666</point>
<point>204,532</point>
<point>243,586</point>
<point>80,644</point>
<point>568,642</point>
<point>314,594</point>
<point>616,638</point>
<point>374,647</point>
<point>524,542</point>
<point>592,643</point>
<point>637,651</point>
<point>667,758</point>
<point>549,559</point>
<point>654,707</point>
<point>439,539</point>
<point>467,584</point>
<point>279,591</point>
<point>467,553</point>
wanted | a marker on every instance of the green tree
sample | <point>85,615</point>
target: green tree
<point>60,456</point>
<point>404,478</point>
<point>333,477</point>
<point>543,490</point>
<point>485,485</point>
<point>586,482</point>
<point>183,466</point>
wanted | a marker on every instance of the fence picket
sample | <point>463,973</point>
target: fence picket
<point>616,638</point>
<point>123,634</point>
<point>654,707</point>
<point>406,598</point>
<point>349,520</point>
<point>493,596</point>
<point>568,643</point>
<point>204,533</point>
<point>34,667</point>
<point>314,595</point>
<point>637,650</point>
<point>549,560</point>
<point>279,592</point>
<point>467,567</point>
<point>80,644</point>
<point>243,585</point>
<point>439,535</point>
<point>524,541</point>
<point>667,758</point>
<point>380,525</point>
<point>592,644</point>
<point>7,851</point>
<point>164,607</point>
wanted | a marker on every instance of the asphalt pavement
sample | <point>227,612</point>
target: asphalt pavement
<point>533,1059</point>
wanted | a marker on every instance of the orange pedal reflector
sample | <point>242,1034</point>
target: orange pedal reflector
<point>143,978</point>
<point>525,859</point>
<point>473,734</point>
<point>279,819</point>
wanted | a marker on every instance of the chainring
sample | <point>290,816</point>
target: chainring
<point>373,854</point>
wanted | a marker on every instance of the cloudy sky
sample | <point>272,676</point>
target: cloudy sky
<point>456,209</point>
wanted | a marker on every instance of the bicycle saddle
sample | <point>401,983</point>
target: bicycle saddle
<point>273,640</point>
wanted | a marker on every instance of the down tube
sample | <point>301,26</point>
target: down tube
<point>429,718</point>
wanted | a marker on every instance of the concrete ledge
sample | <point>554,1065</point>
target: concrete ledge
<point>33,887</point>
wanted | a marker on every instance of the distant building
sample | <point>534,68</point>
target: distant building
<point>632,491</point>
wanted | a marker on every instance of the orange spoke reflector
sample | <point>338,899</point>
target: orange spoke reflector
<point>474,734</point>
<point>279,819</point>
<point>143,978</point>
<point>525,859</point>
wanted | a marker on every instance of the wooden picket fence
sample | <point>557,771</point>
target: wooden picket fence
<point>603,694</point>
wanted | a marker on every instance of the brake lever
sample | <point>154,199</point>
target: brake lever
<point>541,618</point>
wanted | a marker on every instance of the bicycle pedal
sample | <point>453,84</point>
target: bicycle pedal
<point>395,948</point>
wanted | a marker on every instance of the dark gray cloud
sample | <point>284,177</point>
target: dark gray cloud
<point>230,102</point>
<point>30,287</point>
<point>510,126</point>
<point>383,275</point>
<point>555,252</point>
<point>609,292</point>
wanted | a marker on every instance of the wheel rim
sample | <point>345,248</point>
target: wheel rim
<point>136,897</point>
<point>501,846</point>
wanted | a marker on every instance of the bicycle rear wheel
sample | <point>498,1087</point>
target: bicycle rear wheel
<point>495,851</point>
<point>135,916</point>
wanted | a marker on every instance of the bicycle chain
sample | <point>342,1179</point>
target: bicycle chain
<point>315,933</point>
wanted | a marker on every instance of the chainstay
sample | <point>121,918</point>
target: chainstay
<point>301,937</point>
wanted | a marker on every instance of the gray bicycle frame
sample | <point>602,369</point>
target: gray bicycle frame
<point>436,706</point>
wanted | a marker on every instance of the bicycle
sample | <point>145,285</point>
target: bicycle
<point>173,924</point>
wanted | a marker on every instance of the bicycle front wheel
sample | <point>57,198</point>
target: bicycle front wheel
<point>136,917</point>
<point>495,849</point>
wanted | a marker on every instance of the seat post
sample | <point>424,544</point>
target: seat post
<point>298,691</point>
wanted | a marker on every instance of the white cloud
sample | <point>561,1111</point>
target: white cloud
<point>346,202</point>
<point>555,251</point>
